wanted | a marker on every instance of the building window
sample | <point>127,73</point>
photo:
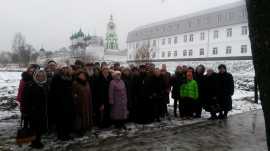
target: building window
<point>185,38</point>
<point>175,40</point>
<point>129,56</point>
<point>244,30</point>
<point>216,34</point>
<point>185,53</point>
<point>202,35</point>
<point>169,53</point>
<point>230,15</point>
<point>219,19</point>
<point>243,48</point>
<point>229,32</point>
<point>175,53</point>
<point>191,37</point>
<point>137,45</point>
<point>201,51</point>
<point>137,56</point>
<point>163,54</point>
<point>163,41</point>
<point>215,51</point>
<point>190,52</point>
<point>153,55</point>
<point>189,24</point>
<point>243,13</point>
<point>228,50</point>
<point>154,43</point>
<point>169,41</point>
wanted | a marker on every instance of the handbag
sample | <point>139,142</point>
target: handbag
<point>25,134</point>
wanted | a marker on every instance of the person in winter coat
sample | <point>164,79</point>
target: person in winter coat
<point>118,100</point>
<point>166,76</point>
<point>136,97</point>
<point>189,94</point>
<point>127,78</point>
<point>176,81</point>
<point>63,99</point>
<point>27,76</point>
<point>210,103</point>
<point>83,103</point>
<point>145,102</point>
<point>35,97</point>
<point>102,101</point>
<point>226,90</point>
<point>51,71</point>
<point>157,95</point>
<point>200,79</point>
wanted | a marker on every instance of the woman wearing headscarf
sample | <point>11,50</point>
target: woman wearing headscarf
<point>36,96</point>
<point>118,100</point>
<point>83,103</point>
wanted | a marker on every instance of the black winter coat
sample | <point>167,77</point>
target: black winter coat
<point>176,81</point>
<point>61,90</point>
<point>211,92</point>
<point>225,90</point>
<point>35,97</point>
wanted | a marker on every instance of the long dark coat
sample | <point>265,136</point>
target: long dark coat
<point>146,101</point>
<point>210,103</point>
<point>82,100</point>
<point>225,91</point>
<point>176,81</point>
<point>102,89</point>
<point>35,97</point>
<point>63,100</point>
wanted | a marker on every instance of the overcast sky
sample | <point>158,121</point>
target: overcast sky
<point>49,23</point>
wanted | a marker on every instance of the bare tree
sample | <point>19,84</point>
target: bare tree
<point>18,42</point>
<point>259,28</point>
<point>143,54</point>
<point>21,50</point>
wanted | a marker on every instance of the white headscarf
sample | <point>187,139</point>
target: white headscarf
<point>36,74</point>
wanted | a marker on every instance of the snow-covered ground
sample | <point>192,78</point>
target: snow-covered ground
<point>243,101</point>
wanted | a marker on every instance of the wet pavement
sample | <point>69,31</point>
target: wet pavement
<point>243,132</point>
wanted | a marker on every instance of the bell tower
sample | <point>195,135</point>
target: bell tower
<point>111,36</point>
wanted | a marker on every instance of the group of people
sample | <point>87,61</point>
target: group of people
<point>73,99</point>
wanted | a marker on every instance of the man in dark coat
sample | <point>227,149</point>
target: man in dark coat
<point>226,90</point>
<point>136,94</point>
<point>102,101</point>
<point>166,76</point>
<point>176,81</point>
<point>145,113</point>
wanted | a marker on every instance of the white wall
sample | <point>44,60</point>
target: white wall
<point>208,44</point>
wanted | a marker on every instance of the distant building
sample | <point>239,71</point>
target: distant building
<point>215,34</point>
<point>80,43</point>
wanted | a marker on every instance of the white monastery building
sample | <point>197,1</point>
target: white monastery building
<point>215,34</point>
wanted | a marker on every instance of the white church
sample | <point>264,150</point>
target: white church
<point>91,48</point>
